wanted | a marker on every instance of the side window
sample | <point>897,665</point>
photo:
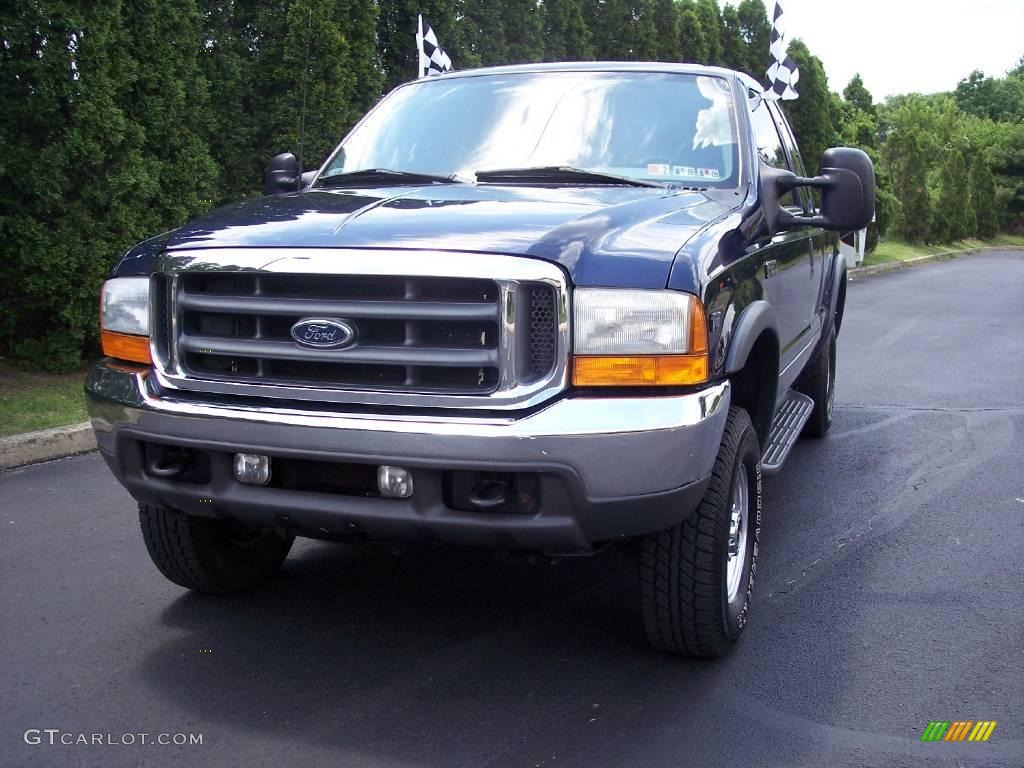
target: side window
<point>769,145</point>
<point>810,195</point>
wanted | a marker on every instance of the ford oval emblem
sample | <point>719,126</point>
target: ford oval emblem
<point>324,333</point>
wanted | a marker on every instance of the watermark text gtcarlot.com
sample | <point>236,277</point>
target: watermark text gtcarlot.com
<point>55,737</point>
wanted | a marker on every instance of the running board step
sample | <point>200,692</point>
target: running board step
<point>792,415</point>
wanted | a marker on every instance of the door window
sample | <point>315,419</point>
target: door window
<point>810,195</point>
<point>769,145</point>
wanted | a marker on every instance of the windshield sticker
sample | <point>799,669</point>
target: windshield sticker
<point>658,169</point>
<point>708,173</point>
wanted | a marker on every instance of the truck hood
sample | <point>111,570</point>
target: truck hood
<point>624,236</point>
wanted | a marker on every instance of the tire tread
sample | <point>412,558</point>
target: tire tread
<point>680,581</point>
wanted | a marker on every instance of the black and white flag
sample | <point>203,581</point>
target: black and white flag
<point>433,58</point>
<point>783,73</point>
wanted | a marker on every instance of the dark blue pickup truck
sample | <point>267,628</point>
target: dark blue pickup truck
<point>546,308</point>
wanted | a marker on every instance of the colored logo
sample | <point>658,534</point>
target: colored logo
<point>321,333</point>
<point>958,730</point>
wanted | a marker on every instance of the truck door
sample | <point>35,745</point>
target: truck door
<point>788,254</point>
<point>823,244</point>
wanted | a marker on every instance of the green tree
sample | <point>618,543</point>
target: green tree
<point>710,20</point>
<point>625,30</point>
<point>567,36</point>
<point>997,99</point>
<point>335,97</point>
<point>909,154</point>
<point>666,30</point>
<point>396,33</point>
<point>734,48</point>
<point>693,42</point>
<point>168,92</point>
<point>954,217</point>
<point>756,30</point>
<point>810,115</point>
<point>983,197</point>
<point>524,28</point>
<point>226,57</point>
<point>483,35</point>
<point>88,117</point>
<point>858,96</point>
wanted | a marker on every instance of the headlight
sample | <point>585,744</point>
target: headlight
<point>625,337</point>
<point>124,318</point>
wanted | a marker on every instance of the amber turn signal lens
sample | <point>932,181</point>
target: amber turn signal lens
<point>698,329</point>
<point>124,346</point>
<point>640,371</point>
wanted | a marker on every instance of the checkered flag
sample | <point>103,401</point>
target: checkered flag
<point>783,73</point>
<point>434,60</point>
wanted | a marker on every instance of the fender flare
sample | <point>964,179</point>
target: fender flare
<point>838,278</point>
<point>758,316</point>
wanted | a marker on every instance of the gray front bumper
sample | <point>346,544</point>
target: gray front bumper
<point>612,466</point>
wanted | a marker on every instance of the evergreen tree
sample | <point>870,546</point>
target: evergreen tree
<point>858,96</point>
<point>710,21</point>
<point>167,93</point>
<point>625,30</point>
<point>613,30</point>
<point>810,115</point>
<point>908,153</point>
<point>566,33</point>
<point>693,42</point>
<point>483,35</point>
<point>645,42</point>
<point>396,35</point>
<point>524,27</point>
<point>334,94</point>
<point>953,212</point>
<point>666,29</point>
<point>91,161</point>
<point>734,49</point>
<point>983,198</point>
<point>756,30</point>
<point>360,20</point>
<point>226,58</point>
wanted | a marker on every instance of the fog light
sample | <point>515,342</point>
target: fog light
<point>252,469</point>
<point>394,482</point>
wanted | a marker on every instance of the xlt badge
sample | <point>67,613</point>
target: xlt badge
<point>323,333</point>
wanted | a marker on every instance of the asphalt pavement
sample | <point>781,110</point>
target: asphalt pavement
<point>890,593</point>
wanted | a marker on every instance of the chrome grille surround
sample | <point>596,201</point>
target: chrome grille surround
<point>516,278</point>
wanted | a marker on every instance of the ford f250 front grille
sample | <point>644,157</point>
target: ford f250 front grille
<point>450,336</point>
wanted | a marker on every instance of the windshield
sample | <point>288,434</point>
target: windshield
<point>671,128</point>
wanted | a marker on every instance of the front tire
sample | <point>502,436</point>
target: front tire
<point>210,555</point>
<point>697,577</point>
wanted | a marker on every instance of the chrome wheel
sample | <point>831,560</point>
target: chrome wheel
<point>738,519</point>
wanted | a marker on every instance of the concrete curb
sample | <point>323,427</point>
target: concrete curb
<point>46,444</point>
<point>894,266</point>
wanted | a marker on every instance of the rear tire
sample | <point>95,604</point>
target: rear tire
<point>818,382</point>
<point>210,555</point>
<point>696,578</point>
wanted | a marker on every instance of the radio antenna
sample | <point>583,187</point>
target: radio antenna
<point>302,115</point>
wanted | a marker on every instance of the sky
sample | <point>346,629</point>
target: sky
<point>899,46</point>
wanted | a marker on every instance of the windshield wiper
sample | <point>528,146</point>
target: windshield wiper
<point>555,173</point>
<point>383,176</point>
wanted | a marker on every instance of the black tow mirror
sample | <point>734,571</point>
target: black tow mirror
<point>848,194</point>
<point>282,175</point>
<point>847,185</point>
